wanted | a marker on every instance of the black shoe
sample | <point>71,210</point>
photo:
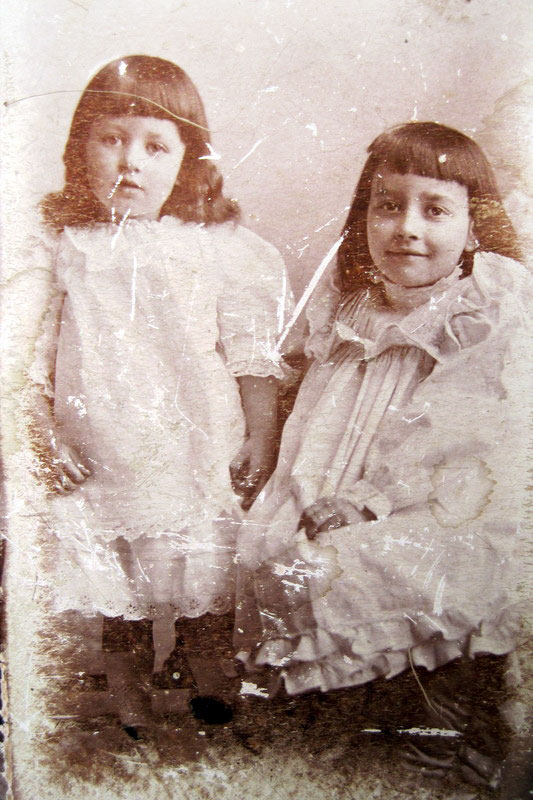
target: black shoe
<point>211,710</point>
<point>138,734</point>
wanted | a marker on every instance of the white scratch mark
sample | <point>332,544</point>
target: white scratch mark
<point>268,90</point>
<point>284,569</point>
<point>251,688</point>
<point>115,187</point>
<point>183,350</point>
<point>431,570</point>
<point>120,226</point>
<point>431,732</point>
<point>297,586</point>
<point>311,126</point>
<point>428,548</point>
<point>122,67</point>
<point>249,153</point>
<point>252,356</point>
<point>326,224</point>
<point>133,287</point>
<point>404,540</point>
<point>281,303</point>
<point>311,286</point>
<point>213,156</point>
<point>414,419</point>
<point>143,573</point>
<point>78,403</point>
<point>437,605</point>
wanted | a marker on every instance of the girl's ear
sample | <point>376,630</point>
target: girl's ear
<point>471,239</point>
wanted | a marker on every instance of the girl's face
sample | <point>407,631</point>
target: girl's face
<point>417,227</point>
<point>133,163</point>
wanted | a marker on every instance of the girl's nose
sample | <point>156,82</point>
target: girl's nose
<point>132,157</point>
<point>409,224</point>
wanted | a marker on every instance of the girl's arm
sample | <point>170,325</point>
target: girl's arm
<point>255,462</point>
<point>62,468</point>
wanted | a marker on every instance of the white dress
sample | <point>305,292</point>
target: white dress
<point>149,326</point>
<point>415,410</point>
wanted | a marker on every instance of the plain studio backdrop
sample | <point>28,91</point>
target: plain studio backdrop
<point>294,91</point>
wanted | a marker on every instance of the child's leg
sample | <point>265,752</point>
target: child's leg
<point>84,636</point>
<point>163,637</point>
<point>209,650</point>
<point>91,629</point>
<point>195,667</point>
<point>128,658</point>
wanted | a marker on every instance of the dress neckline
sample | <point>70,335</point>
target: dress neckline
<point>409,297</point>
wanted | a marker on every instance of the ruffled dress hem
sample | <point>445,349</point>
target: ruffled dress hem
<point>320,660</point>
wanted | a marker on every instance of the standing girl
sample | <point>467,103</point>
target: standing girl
<point>156,369</point>
<point>384,538</point>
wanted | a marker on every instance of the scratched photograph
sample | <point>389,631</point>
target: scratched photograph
<point>266,422</point>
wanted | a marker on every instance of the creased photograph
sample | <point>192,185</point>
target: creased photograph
<point>266,417</point>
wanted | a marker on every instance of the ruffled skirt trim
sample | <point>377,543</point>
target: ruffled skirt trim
<point>325,627</point>
<point>320,660</point>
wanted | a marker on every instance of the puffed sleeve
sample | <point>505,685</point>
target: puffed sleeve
<point>254,304</point>
<point>42,263</point>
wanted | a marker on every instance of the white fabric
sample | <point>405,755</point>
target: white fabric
<point>149,325</point>
<point>417,413</point>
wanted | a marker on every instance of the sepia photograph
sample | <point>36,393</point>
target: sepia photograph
<point>266,338</point>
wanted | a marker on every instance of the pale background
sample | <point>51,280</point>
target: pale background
<point>307,83</point>
<point>294,90</point>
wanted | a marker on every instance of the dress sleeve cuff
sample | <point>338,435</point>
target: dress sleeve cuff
<point>364,495</point>
<point>262,369</point>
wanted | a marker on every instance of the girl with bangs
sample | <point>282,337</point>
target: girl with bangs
<point>385,540</point>
<point>155,374</point>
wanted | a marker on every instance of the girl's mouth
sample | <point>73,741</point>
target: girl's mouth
<point>125,184</point>
<point>406,253</point>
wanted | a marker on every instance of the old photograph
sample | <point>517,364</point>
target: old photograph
<point>266,418</point>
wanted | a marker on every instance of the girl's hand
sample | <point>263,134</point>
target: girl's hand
<point>328,513</point>
<point>250,470</point>
<point>70,472</point>
<point>61,468</point>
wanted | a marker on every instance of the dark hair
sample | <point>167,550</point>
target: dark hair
<point>145,86</point>
<point>433,151</point>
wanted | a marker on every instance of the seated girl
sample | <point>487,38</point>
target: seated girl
<point>386,537</point>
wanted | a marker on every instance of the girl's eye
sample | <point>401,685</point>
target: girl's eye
<point>156,147</point>
<point>111,138</point>
<point>436,211</point>
<point>389,205</point>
